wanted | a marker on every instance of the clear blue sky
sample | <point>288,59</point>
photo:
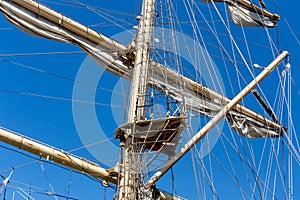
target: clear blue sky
<point>51,121</point>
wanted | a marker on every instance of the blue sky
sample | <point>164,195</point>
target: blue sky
<point>52,121</point>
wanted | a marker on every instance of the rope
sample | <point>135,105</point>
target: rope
<point>92,144</point>
<point>106,16</point>
<point>39,160</point>
<point>48,179</point>
<point>287,23</point>
<point>58,98</point>
<point>42,53</point>
<point>173,182</point>
<point>57,75</point>
<point>6,29</point>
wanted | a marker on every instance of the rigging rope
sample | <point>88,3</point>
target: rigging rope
<point>288,25</point>
<point>106,16</point>
<point>6,29</point>
<point>69,184</point>
<point>48,179</point>
<point>58,98</point>
<point>39,160</point>
<point>92,144</point>
<point>58,76</point>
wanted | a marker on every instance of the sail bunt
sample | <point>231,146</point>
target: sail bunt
<point>245,13</point>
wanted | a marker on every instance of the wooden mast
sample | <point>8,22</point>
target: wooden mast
<point>137,96</point>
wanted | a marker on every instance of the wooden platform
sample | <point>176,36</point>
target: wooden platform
<point>161,135</point>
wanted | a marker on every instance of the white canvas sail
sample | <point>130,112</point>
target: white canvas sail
<point>245,17</point>
<point>245,13</point>
<point>5,182</point>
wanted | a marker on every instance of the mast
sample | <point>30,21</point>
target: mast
<point>139,79</point>
<point>137,97</point>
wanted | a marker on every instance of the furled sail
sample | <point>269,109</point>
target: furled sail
<point>39,20</point>
<point>244,17</point>
<point>245,13</point>
<point>60,28</point>
<point>205,101</point>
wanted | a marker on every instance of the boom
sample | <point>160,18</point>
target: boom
<point>54,154</point>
